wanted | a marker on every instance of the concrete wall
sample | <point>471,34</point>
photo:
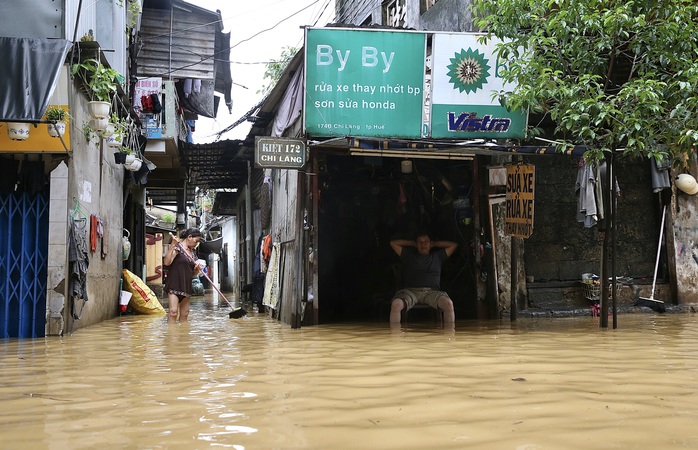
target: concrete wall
<point>97,182</point>
<point>682,226</point>
<point>56,284</point>
<point>561,249</point>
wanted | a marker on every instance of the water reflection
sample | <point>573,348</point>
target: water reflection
<point>139,382</point>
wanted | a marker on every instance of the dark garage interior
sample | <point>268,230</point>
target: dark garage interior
<point>364,202</point>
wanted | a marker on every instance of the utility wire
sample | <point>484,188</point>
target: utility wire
<point>327,3</point>
<point>243,41</point>
<point>276,25</point>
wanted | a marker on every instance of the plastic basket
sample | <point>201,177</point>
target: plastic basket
<point>592,291</point>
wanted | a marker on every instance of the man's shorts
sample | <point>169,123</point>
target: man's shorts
<point>412,296</point>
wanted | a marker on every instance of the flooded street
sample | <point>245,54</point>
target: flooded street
<point>253,383</point>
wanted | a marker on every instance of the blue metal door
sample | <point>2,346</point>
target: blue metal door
<point>23,264</point>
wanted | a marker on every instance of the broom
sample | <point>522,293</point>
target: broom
<point>236,313</point>
<point>651,302</point>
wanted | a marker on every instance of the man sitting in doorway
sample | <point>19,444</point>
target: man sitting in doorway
<point>422,260</point>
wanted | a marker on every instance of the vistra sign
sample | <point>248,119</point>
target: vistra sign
<point>373,83</point>
<point>465,72</point>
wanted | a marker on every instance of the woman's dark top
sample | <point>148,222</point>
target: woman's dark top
<point>179,275</point>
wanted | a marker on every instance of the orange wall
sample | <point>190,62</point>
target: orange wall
<point>39,141</point>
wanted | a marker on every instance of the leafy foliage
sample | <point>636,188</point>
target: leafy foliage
<point>276,67</point>
<point>609,74</point>
<point>100,79</point>
<point>56,113</point>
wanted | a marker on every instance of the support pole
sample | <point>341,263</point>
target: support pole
<point>514,277</point>
<point>614,236</point>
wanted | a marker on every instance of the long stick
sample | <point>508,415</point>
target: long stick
<point>191,259</point>
<point>659,249</point>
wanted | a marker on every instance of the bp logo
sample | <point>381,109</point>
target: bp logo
<point>468,70</point>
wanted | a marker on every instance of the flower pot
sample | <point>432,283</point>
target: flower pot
<point>134,165</point>
<point>119,157</point>
<point>99,110</point>
<point>18,131</point>
<point>113,141</point>
<point>99,124</point>
<point>57,129</point>
<point>108,131</point>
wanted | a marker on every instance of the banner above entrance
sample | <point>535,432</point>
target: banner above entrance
<point>374,83</point>
<point>364,83</point>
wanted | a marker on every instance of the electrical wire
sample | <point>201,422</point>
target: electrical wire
<point>240,42</point>
<point>322,13</point>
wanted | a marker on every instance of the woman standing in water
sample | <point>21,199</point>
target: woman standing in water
<point>182,269</point>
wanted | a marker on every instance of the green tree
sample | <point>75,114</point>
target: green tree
<point>610,74</point>
<point>276,67</point>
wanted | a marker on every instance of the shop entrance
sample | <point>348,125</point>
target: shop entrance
<point>364,202</point>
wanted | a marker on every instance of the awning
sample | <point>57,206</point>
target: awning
<point>438,149</point>
<point>28,76</point>
<point>217,165</point>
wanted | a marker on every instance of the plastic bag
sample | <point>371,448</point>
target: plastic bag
<point>125,246</point>
<point>143,300</point>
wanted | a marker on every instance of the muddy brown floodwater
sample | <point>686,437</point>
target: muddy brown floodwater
<point>136,382</point>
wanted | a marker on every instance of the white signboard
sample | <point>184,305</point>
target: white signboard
<point>465,72</point>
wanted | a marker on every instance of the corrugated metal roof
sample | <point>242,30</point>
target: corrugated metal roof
<point>178,42</point>
<point>219,165</point>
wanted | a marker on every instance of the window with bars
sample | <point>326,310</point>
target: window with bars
<point>394,13</point>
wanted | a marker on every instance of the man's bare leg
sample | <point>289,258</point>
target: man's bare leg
<point>396,308</point>
<point>446,306</point>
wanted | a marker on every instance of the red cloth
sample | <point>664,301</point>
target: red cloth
<point>266,248</point>
<point>93,232</point>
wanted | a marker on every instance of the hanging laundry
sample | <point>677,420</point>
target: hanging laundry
<point>79,261</point>
<point>155,102</point>
<point>146,103</point>
<point>102,233</point>
<point>258,269</point>
<point>585,189</point>
<point>599,169</point>
<point>93,233</point>
<point>186,87</point>
<point>272,283</point>
<point>266,248</point>
<point>196,86</point>
<point>659,169</point>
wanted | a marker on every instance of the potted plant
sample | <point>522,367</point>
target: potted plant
<point>121,155</point>
<point>18,131</point>
<point>168,220</point>
<point>88,131</point>
<point>101,84</point>
<point>118,131</point>
<point>58,116</point>
<point>99,124</point>
<point>133,163</point>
